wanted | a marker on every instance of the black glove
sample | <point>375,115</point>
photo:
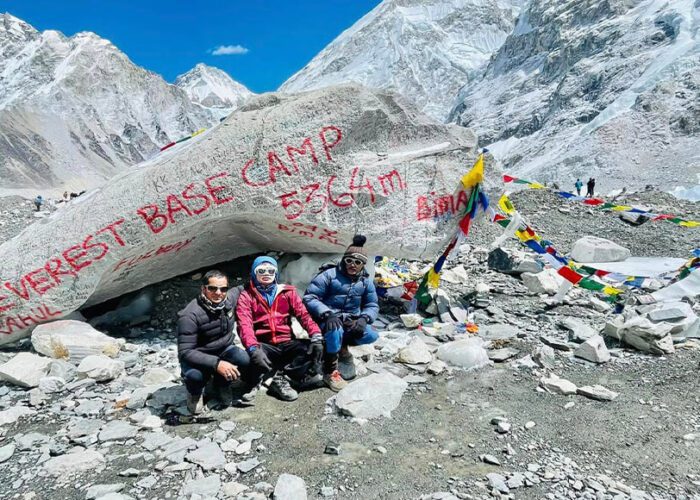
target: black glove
<point>316,353</point>
<point>333,322</point>
<point>260,359</point>
<point>358,326</point>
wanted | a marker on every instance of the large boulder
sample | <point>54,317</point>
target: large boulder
<point>594,249</point>
<point>294,173</point>
<point>468,354</point>
<point>72,340</point>
<point>547,281</point>
<point>643,334</point>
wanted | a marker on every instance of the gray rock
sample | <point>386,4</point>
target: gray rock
<point>498,482</point>
<point>498,331</point>
<point>115,496</point>
<point>73,341</point>
<point>74,463</point>
<point>436,367</point>
<point>25,369</point>
<point>99,490</point>
<point>578,330</point>
<point>233,489</point>
<point>557,385</point>
<point>117,430</point>
<point>554,343</point>
<point>371,397</point>
<point>597,392</point>
<point>30,441</point>
<point>208,456</point>
<point>544,356</point>
<point>416,352</point>
<point>250,436</point>
<point>208,486</point>
<point>501,355</point>
<point>515,481</point>
<point>157,376</point>
<point>49,385</point>
<point>248,465</point>
<point>6,452</point>
<point>512,262</point>
<point>593,249</point>
<point>11,415</point>
<point>489,459</point>
<point>90,407</point>
<point>411,320</point>
<point>594,350</point>
<point>62,369</point>
<point>546,281</point>
<point>100,368</point>
<point>290,487</point>
<point>155,440</point>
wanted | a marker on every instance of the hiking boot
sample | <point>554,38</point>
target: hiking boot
<point>346,364</point>
<point>334,381</point>
<point>250,394</point>
<point>280,387</point>
<point>195,403</point>
<point>222,394</point>
<point>310,381</point>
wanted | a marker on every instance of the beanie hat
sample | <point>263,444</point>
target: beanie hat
<point>356,249</point>
<point>259,261</point>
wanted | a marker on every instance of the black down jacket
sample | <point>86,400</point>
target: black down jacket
<point>202,335</point>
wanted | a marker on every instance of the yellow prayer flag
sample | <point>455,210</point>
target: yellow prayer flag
<point>610,290</point>
<point>433,279</point>
<point>621,208</point>
<point>198,131</point>
<point>475,175</point>
<point>536,185</point>
<point>689,223</point>
<point>505,204</point>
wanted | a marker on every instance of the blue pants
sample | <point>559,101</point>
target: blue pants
<point>196,378</point>
<point>335,339</point>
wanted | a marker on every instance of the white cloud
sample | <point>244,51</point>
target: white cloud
<point>227,50</point>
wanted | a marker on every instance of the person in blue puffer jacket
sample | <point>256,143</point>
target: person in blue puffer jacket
<point>343,301</point>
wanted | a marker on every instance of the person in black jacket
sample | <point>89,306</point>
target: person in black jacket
<point>205,342</point>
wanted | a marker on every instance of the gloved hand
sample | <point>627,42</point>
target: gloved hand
<point>260,359</point>
<point>333,322</point>
<point>358,326</point>
<point>316,352</point>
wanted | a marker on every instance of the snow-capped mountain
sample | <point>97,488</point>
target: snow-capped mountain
<point>608,89</point>
<point>213,88</point>
<point>424,49</point>
<point>75,110</point>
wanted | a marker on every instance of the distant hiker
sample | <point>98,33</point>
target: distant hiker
<point>344,301</point>
<point>65,196</point>
<point>578,185</point>
<point>264,315</point>
<point>38,202</point>
<point>590,185</point>
<point>205,343</point>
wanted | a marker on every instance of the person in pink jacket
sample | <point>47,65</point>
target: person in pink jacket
<point>264,316</point>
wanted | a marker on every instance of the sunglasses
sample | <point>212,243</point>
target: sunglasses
<point>212,288</point>
<point>265,270</point>
<point>350,260</point>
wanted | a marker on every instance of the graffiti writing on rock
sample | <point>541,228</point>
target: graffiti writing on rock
<point>68,264</point>
<point>161,250</point>
<point>266,174</point>
<point>437,206</point>
<point>33,316</point>
<point>195,199</point>
<point>314,198</point>
<point>310,231</point>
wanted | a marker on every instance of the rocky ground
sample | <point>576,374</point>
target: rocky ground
<point>508,429</point>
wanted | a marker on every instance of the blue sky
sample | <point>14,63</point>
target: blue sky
<point>170,37</point>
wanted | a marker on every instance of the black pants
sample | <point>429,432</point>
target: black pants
<point>291,357</point>
<point>196,378</point>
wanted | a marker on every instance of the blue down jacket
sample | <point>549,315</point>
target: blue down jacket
<point>333,290</point>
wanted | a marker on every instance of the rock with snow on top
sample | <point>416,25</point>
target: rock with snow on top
<point>594,249</point>
<point>371,397</point>
<point>468,354</point>
<point>578,330</point>
<point>6,452</point>
<point>117,430</point>
<point>72,340</point>
<point>436,367</point>
<point>25,369</point>
<point>100,490</point>
<point>411,320</point>
<point>233,489</point>
<point>50,385</point>
<point>157,376</point>
<point>208,456</point>
<point>645,335</point>
<point>594,350</point>
<point>290,487</point>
